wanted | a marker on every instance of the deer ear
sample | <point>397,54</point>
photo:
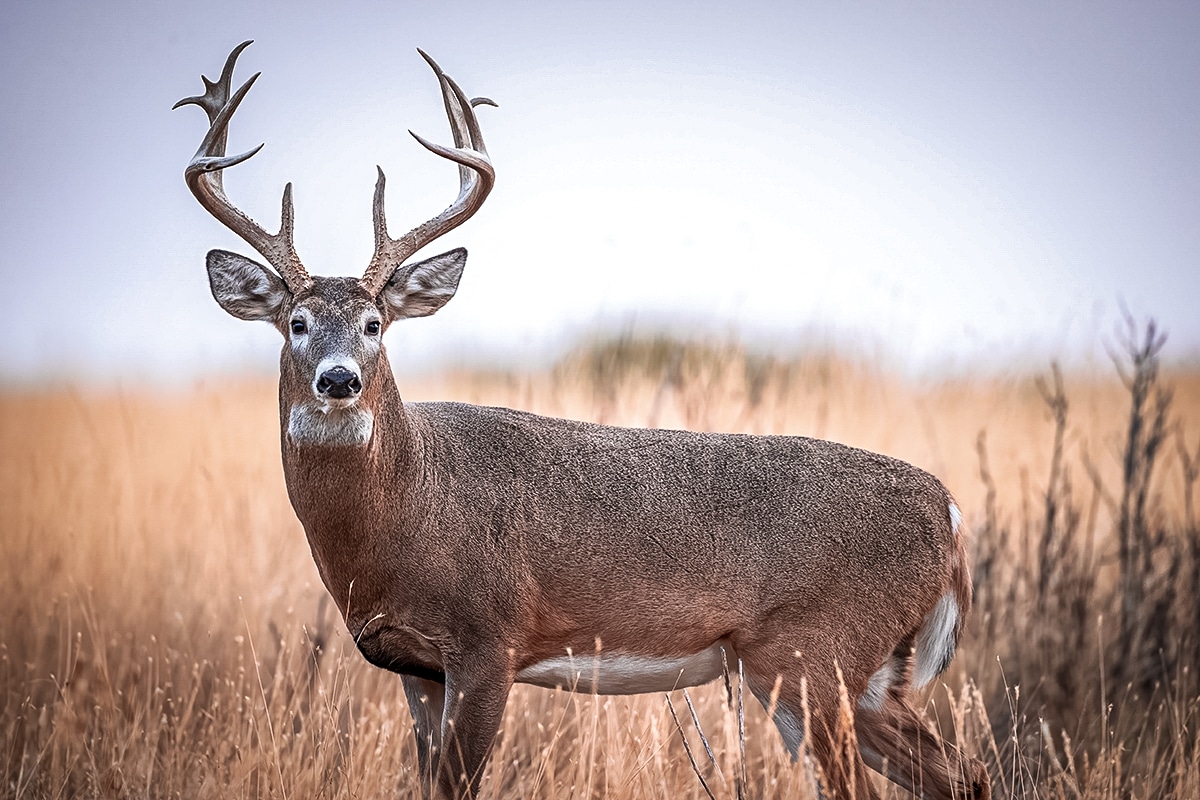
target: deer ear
<point>245,288</point>
<point>418,290</point>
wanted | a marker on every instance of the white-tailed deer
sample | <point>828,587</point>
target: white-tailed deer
<point>469,548</point>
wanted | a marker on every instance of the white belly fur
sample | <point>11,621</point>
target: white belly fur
<point>626,673</point>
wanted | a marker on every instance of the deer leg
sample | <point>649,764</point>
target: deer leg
<point>426,702</point>
<point>917,759</point>
<point>474,706</point>
<point>831,740</point>
<point>823,729</point>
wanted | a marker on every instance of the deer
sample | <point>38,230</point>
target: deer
<point>471,548</point>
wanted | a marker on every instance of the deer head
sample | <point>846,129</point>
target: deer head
<point>333,327</point>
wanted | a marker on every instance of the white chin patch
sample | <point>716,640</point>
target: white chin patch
<point>330,425</point>
<point>328,404</point>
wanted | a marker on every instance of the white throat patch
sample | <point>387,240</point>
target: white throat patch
<point>314,425</point>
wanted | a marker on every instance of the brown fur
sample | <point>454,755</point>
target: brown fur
<point>473,542</point>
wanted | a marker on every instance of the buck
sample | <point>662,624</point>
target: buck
<point>471,548</point>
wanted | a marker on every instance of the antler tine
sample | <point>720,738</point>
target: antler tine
<point>216,95</point>
<point>203,177</point>
<point>465,130</point>
<point>476,178</point>
<point>457,127</point>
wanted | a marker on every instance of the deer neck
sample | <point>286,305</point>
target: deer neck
<point>342,493</point>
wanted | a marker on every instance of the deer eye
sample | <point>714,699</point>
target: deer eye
<point>298,327</point>
<point>373,328</point>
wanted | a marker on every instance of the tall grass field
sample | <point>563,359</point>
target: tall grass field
<point>164,634</point>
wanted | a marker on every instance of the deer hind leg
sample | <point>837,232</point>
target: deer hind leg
<point>895,741</point>
<point>825,729</point>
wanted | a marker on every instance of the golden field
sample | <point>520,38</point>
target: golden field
<point>163,631</point>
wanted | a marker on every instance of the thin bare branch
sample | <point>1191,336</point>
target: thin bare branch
<point>688,749</point>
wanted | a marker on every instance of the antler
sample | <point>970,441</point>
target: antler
<point>475,174</point>
<point>203,176</point>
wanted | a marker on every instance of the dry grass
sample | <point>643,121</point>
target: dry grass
<point>163,632</point>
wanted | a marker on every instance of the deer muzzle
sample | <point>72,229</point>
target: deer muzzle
<point>338,383</point>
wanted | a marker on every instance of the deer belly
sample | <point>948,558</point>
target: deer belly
<point>625,673</point>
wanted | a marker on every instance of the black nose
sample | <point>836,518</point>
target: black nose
<point>338,382</point>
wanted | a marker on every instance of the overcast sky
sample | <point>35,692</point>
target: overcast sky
<point>944,183</point>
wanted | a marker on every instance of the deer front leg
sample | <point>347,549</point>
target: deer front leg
<point>474,705</point>
<point>426,702</point>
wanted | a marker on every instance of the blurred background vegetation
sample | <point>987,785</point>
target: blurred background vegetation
<point>163,631</point>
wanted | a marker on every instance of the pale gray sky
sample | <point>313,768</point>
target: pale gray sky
<point>953,183</point>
